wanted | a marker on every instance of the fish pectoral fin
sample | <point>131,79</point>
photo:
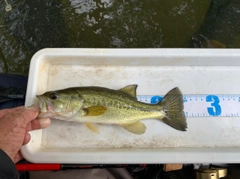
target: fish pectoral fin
<point>92,127</point>
<point>136,128</point>
<point>130,89</point>
<point>95,110</point>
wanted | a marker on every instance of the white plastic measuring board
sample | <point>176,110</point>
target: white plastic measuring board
<point>227,105</point>
<point>209,80</point>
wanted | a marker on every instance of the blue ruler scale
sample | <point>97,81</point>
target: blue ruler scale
<point>224,105</point>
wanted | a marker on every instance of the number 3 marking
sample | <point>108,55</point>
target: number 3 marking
<point>215,110</point>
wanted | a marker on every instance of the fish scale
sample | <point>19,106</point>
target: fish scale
<point>204,105</point>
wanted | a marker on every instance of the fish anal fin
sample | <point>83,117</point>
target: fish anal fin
<point>130,89</point>
<point>136,128</point>
<point>95,110</point>
<point>92,127</point>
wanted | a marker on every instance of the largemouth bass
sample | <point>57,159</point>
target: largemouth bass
<point>102,105</point>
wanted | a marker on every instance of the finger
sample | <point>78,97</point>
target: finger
<point>18,157</point>
<point>27,114</point>
<point>26,138</point>
<point>3,112</point>
<point>38,124</point>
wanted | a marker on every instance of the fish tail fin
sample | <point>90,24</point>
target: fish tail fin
<point>172,104</point>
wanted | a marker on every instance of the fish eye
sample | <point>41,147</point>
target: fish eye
<point>53,96</point>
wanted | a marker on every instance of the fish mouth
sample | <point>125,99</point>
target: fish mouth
<point>46,109</point>
<point>42,104</point>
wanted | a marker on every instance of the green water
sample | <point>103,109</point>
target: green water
<point>35,24</point>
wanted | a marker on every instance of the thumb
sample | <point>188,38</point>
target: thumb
<point>28,113</point>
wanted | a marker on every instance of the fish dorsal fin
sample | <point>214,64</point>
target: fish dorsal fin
<point>95,110</point>
<point>130,89</point>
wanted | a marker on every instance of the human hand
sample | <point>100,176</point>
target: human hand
<point>15,124</point>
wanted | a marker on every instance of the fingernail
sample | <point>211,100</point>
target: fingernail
<point>45,122</point>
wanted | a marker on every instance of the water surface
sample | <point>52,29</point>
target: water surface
<point>33,24</point>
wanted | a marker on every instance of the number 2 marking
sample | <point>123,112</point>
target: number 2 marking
<point>155,99</point>
<point>215,110</point>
